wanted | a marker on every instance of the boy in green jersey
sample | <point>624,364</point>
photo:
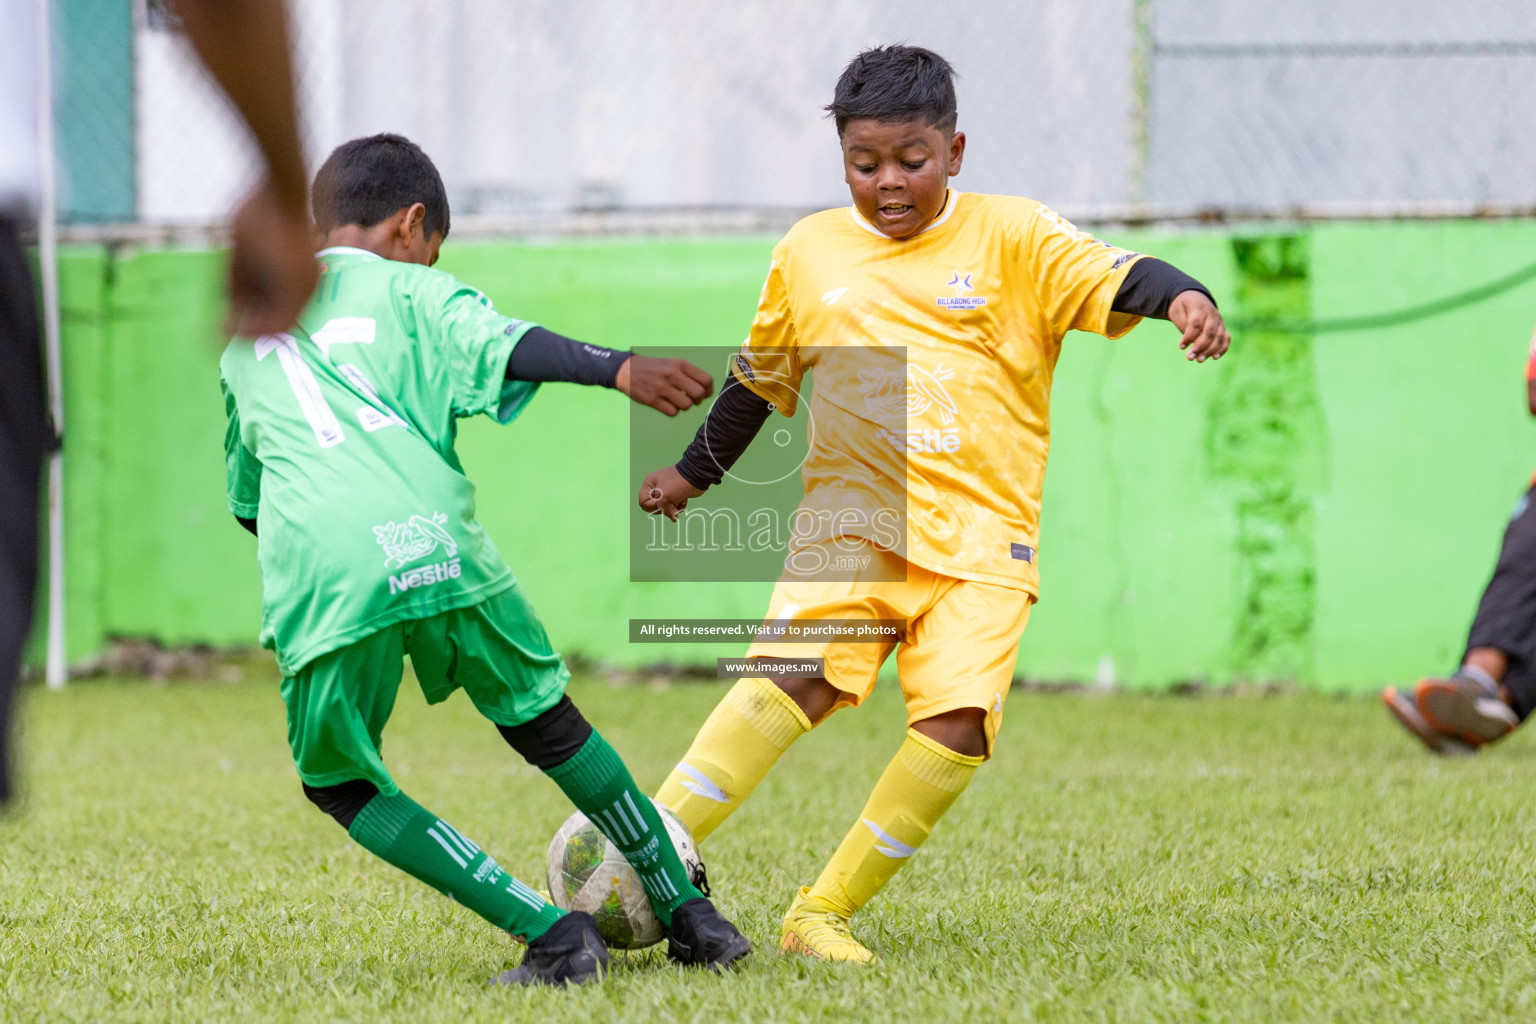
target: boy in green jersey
<point>340,451</point>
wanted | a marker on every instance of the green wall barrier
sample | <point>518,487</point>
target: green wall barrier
<point>1322,506</point>
<point>1265,450</point>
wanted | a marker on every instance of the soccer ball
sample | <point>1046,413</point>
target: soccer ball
<point>587,872</point>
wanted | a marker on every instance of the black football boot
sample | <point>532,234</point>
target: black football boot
<point>701,937</point>
<point>570,953</point>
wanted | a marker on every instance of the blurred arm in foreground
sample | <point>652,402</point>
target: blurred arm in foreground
<point>271,269</point>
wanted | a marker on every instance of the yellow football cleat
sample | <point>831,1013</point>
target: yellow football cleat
<point>815,930</point>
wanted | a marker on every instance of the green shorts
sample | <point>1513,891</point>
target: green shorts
<point>496,651</point>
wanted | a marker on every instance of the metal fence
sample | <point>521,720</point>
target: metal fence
<point>684,114</point>
<point>1374,103</point>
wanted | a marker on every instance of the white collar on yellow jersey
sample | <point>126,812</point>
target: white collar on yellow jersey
<point>950,202</point>
<point>347,250</point>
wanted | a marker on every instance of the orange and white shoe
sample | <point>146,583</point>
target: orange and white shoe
<point>818,931</point>
<point>1465,708</point>
<point>1407,713</point>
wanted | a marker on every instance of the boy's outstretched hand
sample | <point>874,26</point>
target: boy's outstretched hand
<point>666,385</point>
<point>665,491</point>
<point>1205,335</point>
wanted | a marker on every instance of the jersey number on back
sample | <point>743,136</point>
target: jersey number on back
<point>342,330</point>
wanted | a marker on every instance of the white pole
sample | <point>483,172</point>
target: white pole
<point>47,253</point>
<point>1143,59</point>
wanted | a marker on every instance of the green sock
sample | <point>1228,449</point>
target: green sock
<point>402,832</point>
<point>601,787</point>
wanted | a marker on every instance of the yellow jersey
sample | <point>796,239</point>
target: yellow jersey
<point>931,361</point>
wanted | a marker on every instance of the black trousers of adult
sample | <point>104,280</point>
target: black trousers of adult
<point>25,437</point>
<point>1506,616</point>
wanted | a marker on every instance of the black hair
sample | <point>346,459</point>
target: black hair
<point>366,180</point>
<point>896,83</point>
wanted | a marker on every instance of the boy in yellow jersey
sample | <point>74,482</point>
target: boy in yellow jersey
<point>973,293</point>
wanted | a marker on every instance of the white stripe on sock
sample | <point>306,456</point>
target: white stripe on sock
<point>700,784</point>
<point>615,815</point>
<point>526,894</point>
<point>468,849</point>
<point>645,829</point>
<point>605,823</point>
<point>447,848</point>
<point>661,886</point>
<point>618,812</point>
<point>469,844</point>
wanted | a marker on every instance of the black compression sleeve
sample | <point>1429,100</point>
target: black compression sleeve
<point>550,739</point>
<point>249,524</point>
<point>732,423</point>
<point>342,801</point>
<point>1150,285</point>
<point>543,355</point>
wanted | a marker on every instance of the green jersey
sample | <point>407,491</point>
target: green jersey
<point>340,446</point>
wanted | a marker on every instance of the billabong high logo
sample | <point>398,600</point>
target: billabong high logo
<point>961,283</point>
<point>415,538</point>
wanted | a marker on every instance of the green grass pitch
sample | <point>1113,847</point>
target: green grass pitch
<point>1124,858</point>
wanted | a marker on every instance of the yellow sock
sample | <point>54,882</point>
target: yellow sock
<point>918,786</point>
<point>740,741</point>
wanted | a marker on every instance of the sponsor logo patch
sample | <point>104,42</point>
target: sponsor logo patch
<point>425,576</point>
<point>415,538</point>
<point>922,441</point>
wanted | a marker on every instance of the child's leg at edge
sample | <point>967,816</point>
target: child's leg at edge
<point>1499,651</point>
<point>1491,661</point>
<point>740,741</point>
<point>561,743</point>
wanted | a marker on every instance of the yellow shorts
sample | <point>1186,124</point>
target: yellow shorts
<point>962,636</point>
